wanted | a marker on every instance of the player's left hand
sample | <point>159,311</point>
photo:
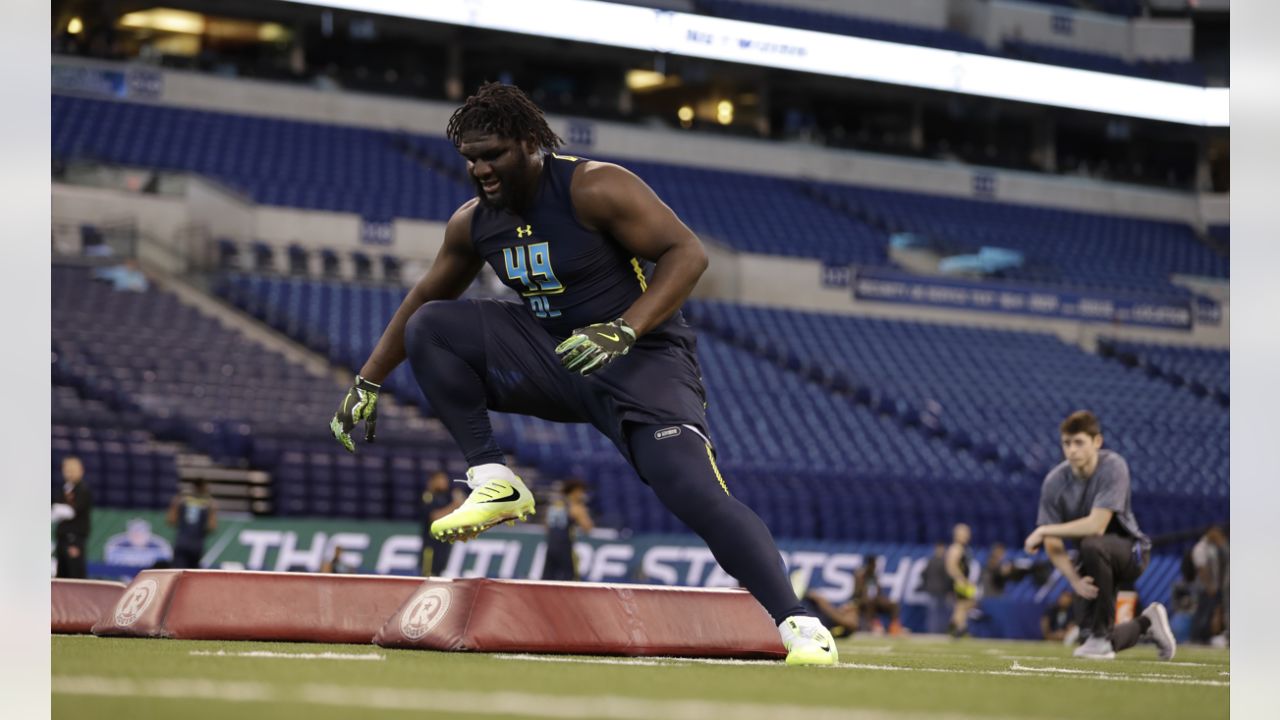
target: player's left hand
<point>360,404</point>
<point>593,347</point>
<point>1033,542</point>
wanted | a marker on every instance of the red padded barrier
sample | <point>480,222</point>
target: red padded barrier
<point>75,605</point>
<point>229,605</point>
<point>482,615</point>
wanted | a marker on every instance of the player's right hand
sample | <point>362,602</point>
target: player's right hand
<point>361,403</point>
<point>1085,588</point>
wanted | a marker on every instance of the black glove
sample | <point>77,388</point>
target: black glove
<point>591,348</point>
<point>361,403</point>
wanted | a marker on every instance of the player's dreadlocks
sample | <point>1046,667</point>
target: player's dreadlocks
<point>503,110</point>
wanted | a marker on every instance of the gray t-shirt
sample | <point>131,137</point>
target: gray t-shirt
<point>1065,497</point>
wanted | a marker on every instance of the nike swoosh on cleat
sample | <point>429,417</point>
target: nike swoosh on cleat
<point>826,646</point>
<point>514,495</point>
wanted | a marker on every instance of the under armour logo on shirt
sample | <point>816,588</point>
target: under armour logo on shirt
<point>525,231</point>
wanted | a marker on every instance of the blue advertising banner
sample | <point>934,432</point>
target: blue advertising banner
<point>134,83</point>
<point>899,287</point>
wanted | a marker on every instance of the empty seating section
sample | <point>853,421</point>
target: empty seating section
<point>1085,250</point>
<point>306,165</point>
<point>831,427</point>
<point>1203,370</point>
<point>124,468</point>
<point>378,174</point>
<point>342,320</point>
<point>835,427</point>
<point>996,394</point>
<point>147,361</point>
<point>758,214</point>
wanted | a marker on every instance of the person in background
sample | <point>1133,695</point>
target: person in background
<point>194,516</point>
<point>996,572</point>
<point>871,602</point>
<point>959,560</point>
<point>72,510</point>
<point>1212,561</point>
<point>337,564</point>
<point>1058,621</point>
<point>1087,498</point>
<point>567,513</point>
<point>842,620</point>
<point>937,585</point>
<point>437,501</point>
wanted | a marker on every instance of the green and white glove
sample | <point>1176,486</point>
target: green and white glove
<point>593,347</point>
<point>361,403</point>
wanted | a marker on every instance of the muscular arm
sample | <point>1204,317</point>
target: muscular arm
<point>612,200</point>
<point>455,266</point>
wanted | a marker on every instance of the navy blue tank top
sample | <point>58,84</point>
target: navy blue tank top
<point>568,275</point>
<point>560,531</point>
<point>193,521</point>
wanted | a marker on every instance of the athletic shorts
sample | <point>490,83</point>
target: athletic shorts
<point>657,382</point>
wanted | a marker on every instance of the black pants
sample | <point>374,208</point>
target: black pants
<point>472,356</point>
<point>68,566</point>
<point>187,557</point>
<point>560,566</point>
<point>1111,561</point>
<point>435,557</point>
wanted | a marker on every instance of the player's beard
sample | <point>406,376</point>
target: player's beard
<point>512,187</point>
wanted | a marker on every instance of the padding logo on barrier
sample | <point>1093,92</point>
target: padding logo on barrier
<point>425,612</point>
<point>135,601</point>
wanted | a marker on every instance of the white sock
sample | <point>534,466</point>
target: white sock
<point>480,474</point>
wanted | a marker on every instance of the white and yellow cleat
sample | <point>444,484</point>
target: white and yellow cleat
<point>497,495</point>
<point>808,642</point>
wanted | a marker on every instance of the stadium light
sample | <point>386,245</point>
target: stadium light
<point>645,79</point>
<point>75,26</point>
<point>166,19</point>
<point>662,31</point>
<point>724,112</point>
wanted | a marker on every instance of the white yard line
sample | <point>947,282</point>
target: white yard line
<point>163,688</point>
<point>1125,658</point>
<point>511,704</point>
<point>1104,675</point>
<point>289,656</point>
<point>1016,670</point>
<point>663,662</point>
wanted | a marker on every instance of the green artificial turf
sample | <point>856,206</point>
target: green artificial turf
<point>895,678</point>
